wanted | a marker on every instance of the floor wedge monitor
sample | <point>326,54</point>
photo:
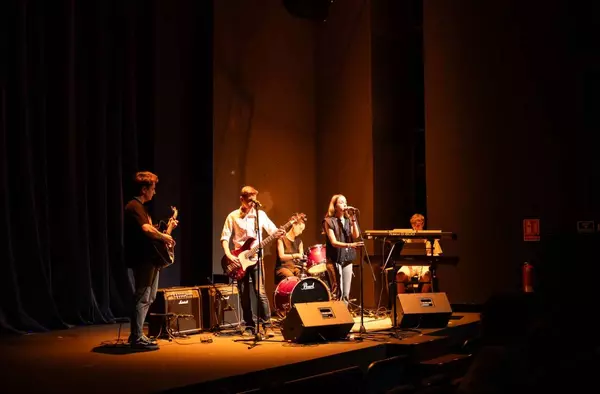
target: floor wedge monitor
<point>317,322</point>
<point>422,310</point>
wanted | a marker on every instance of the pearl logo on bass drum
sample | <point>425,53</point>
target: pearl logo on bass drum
<point>306,286</point>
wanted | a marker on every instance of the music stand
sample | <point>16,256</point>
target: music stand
<point>392,284</point>
<point>406,249</point>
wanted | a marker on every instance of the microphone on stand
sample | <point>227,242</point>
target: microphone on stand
<point>256,203</point>
<point>351,209</point>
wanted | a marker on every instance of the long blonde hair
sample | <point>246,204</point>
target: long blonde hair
<point>332,203</point>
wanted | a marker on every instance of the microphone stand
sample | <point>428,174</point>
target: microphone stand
<point>259,263</point>
<point>257,335</point>
<point>362,329</point>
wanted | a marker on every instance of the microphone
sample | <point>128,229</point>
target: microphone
<point>256,203</point>
<point>351,209</point>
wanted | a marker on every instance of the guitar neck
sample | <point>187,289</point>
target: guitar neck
<point>268,239</point>
<point>169,229</point>
<point>170,226</point>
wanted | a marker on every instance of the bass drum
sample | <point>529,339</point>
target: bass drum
<point>294,290</point>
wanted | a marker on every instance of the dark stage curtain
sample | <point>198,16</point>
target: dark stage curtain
<point>76,84</point>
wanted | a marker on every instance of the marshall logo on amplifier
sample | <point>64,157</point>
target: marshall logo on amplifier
<point>423,310</point>
<point>176,311</point>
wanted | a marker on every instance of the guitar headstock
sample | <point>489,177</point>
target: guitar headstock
<point>175,212</point>
<point>298,218</point>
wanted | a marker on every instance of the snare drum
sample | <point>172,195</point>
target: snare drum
<point>316,259</point>
<point>293,290</point>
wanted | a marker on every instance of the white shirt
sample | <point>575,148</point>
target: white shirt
<point>419,270</point>
<point>238,229</point>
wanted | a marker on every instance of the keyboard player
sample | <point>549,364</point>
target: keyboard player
<point>407,276</point>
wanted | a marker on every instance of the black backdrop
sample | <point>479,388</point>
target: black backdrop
<point>76,104</point>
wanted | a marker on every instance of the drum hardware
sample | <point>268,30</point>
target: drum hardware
<point>303,269</point>
<point>303,274</point>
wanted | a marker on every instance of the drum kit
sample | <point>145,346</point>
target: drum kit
<point>308,287</point>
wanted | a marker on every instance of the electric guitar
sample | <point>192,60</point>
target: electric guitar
<point>248,250</point>
<point>165,255</point>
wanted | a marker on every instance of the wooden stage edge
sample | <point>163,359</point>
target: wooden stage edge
<point>95,359</point>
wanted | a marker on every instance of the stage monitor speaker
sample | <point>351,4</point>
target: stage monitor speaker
<point>317,322</point>
<point>176,310</point>
<point>223,303</point>
<point>423,310</point>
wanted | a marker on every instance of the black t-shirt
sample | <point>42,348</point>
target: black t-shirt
<point>290,247</point>
<point>139,248</point>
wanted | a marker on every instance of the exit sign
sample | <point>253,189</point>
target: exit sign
<point>531,229</point>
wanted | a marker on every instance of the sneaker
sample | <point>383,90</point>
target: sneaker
<point>248,332</point>
<point>141,344</point>
<point>143,338</point>
<point>149,340</point>
<point>269,333</point>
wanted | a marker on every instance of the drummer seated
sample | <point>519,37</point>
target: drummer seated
<point>290,252</point>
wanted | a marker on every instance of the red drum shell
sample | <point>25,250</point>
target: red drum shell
<point>315,259</point>
<point>293,290</point>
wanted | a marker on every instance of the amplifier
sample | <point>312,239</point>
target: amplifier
<point>223,303</point>
<point>176,311</point>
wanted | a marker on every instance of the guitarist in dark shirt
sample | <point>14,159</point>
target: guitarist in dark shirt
<point>140,255</point>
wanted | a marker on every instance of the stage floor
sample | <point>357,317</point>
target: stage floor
<point>92,359</point>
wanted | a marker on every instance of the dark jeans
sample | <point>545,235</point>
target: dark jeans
<point>146,285</point>
<point>244,286</point>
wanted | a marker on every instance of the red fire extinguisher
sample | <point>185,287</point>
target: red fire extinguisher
<point>527,277</point>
